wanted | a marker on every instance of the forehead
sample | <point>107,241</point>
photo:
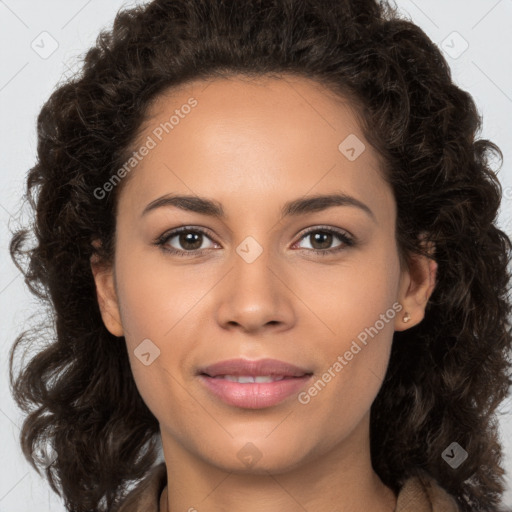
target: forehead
<point>245,101</point>
<point>255,138</point>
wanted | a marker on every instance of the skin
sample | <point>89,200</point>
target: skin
<point>253,146</point>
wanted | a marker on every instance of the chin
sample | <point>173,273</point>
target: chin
<point>258,457</point>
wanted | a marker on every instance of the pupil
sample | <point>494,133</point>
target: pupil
<point>327,239</point>
<point>189,239</point>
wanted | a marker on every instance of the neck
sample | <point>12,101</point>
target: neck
<point>341,478</point>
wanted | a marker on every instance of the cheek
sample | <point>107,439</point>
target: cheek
<point>351,296</point>
<point>359,304</point>
<point>155,296</point>
<point>355,363</point>
<point>160,302</point>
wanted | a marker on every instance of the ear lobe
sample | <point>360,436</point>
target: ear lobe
<point>106,294</point>
<point>416,286</point>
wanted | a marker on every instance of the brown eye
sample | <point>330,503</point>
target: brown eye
<point>321,240</point>
<point>184,241</point>
<point>190,240</point>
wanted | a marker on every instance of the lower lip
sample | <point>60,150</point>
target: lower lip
<point>254,395</point>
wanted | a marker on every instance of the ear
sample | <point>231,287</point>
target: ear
<point>106,293</point>
<point>417,283</point>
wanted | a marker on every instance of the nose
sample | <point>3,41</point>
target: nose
<point>255,295</point>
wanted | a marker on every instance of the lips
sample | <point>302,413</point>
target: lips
<point>253,384</point>
<point>249,368</point>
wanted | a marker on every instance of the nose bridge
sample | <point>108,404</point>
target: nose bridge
<point>253,276</point>
<point>253,293</point>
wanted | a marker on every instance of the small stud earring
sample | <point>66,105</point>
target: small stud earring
<point>406,317</point>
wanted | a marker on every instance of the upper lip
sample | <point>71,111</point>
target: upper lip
<point>253,368</point>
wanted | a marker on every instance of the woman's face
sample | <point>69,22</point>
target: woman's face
<point>281,274</point>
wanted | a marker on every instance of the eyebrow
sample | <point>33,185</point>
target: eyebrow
<point>296,207</point>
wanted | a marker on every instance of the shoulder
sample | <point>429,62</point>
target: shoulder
<point>422,493</point>
<point>146,496</point>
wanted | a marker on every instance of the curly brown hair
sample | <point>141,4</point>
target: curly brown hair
<point>446,376</point>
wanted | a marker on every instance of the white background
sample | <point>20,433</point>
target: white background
<point>27,79</point>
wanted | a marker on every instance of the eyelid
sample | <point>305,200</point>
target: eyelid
<point>324,227</point>
<point>171,233</point>
<point>347,239</point>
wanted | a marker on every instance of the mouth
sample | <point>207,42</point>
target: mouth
<point>248,392</point>
<point>258,379</point>
<point>253,384</point>
<point>244,379</point>
<point>240,367</point>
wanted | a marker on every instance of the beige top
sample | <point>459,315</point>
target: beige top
<point>416,495</point>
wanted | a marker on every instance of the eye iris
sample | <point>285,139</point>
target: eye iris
<point>190,238</point>
<point>325,240</point>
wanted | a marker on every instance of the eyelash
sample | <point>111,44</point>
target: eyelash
<point>162,240</point>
